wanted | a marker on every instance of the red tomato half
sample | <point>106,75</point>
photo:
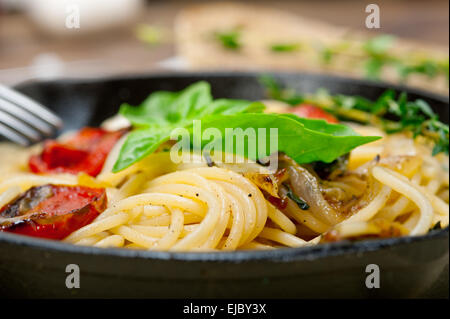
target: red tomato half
<point>84,152</point>
<point>313,112</point>
<point>52,211</point>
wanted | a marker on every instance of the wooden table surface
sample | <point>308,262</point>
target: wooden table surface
<point>119,51</point>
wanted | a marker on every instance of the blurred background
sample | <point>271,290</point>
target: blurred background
<point>85,38</point>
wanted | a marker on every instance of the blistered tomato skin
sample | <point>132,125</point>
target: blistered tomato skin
<point>313,112</point>
<point>52,211</point>
<point>84,152</point>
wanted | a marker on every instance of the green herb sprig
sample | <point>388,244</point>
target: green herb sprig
<point>303,205</point>
<point>379,55</point>
<point>389,112</point>
<point>230,40</point>
<point>375,54</point>
<point>284,47</point>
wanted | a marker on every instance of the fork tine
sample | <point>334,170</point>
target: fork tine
<point>13,135</point>
<point>19,126</point>
<point>27,117</point>
<point>32,106</point>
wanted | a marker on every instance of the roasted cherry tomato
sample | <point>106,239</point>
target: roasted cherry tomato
<point>313,112</point>
<point>84,152</point>
<point>52,211</point>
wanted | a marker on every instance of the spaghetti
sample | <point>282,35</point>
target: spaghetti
<point>391,187</point>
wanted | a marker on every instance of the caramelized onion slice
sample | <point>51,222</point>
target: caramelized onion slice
<point>305,185</point>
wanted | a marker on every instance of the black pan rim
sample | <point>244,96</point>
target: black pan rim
<point>278,255</point>
<point>218,74</point>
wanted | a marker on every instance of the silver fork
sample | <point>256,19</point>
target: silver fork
<point>23,120</point>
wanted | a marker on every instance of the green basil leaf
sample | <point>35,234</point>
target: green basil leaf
<point>166,108</point>
<point>153,111</point>
<point>302,144</point>
<point>230,107</point>
<point>163,111</point>
<point>191,101</point>
<point>323,126</point>
<point>304,140</point>
<point>138,145</point>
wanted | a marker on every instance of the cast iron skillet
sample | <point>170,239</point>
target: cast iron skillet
<point>29,267</point>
